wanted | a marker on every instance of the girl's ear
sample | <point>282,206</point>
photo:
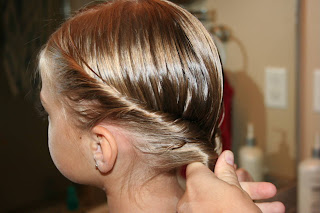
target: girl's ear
<point>103,148</point>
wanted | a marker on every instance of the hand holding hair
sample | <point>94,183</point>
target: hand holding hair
<point>221,191</point>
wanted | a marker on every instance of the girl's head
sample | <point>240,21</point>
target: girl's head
<point>142,75</point>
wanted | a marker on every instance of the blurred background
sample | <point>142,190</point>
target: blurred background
<point>270,51</point>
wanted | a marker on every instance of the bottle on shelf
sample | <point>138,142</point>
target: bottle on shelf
<point>251,156</point>
<point>309,181</point>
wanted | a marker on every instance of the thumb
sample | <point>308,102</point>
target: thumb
<point>197,170</point>
<point>224,168</point>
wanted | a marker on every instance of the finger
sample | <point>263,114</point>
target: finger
<point>235,166</point>
<point>224,169</point>
<point>197,178</point>
<point>272,207</point>
<point>259,190</point>
<point>198,170</point>
<point>243,175</point>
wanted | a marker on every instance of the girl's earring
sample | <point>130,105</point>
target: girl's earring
<point>96,163</point>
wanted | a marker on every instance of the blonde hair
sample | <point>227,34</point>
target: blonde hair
<point>147,66</point>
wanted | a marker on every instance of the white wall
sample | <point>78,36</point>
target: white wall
<point>267,31</point>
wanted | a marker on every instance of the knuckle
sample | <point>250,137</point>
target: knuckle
<point>230,174</point>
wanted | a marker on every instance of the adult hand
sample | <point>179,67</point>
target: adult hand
<point>259,191</point>
<point>243,175</point>
<point>221,192</point>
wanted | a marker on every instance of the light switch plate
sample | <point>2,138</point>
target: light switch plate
<point>316,90</point>
<point>276,90</point>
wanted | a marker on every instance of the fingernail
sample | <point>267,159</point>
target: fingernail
<point>228,156</point>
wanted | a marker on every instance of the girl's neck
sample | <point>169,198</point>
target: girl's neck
<point>161,194</point>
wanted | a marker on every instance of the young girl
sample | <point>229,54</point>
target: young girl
<point>133,91</point>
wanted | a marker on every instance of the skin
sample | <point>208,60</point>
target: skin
<point>75,153</point>
<point>221,191</point>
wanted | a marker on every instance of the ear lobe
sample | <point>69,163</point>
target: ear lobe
<point>104,149</point>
